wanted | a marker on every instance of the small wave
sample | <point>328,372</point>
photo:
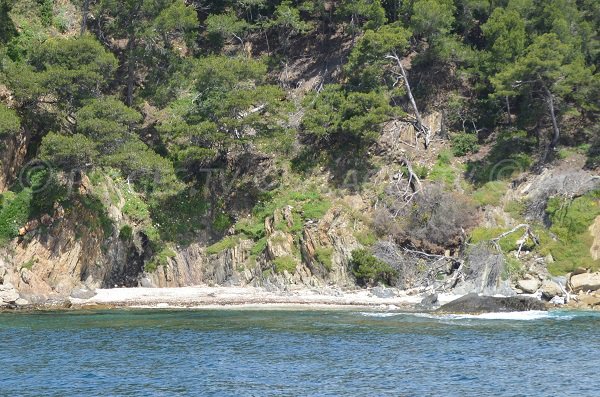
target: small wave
<point>378,314</point>
<point>517,316</point>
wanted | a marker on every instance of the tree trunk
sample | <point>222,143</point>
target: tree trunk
<point>556,130</point>
<point>508,110</point>
<point>130,67</point>
<point>84,16</point>
<point>420,125</point>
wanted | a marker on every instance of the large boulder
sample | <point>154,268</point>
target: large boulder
<point>550,289</point>
<point>8,294</point>
<point>529,286</point>
<point>585,282</point>
<point>473,303</point>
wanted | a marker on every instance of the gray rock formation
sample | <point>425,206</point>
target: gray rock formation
<point>473,303</point>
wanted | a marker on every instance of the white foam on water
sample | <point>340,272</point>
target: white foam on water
<point>517,316</point>
<point>378,314</point>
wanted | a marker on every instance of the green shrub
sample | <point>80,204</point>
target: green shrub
<point>221,222</point>
<point>315,209</point>
<point>491,193</point>
<point>222,245</point>
<point>9,121</point>
<point>100,219</point>
<point>324,256</point>
<point>135,207</point>
<point>285,263</point>
<point>159,259</point>
<point>179,216</point>
<point>251,227</point>
<point>366,237</point>
<point>126,233</point>
<point>259,247</point>
<point>464,143</point>
<point>14,213</point>
<point>369,270</point>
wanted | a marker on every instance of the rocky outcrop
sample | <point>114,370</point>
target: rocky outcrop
<point>555,182</point>
<point>236,266</point>
<point>12,154</point>
<point>70,253</point>
<point>473,303</point>
<point>8,294</point>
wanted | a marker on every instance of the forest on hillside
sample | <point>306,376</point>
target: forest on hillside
<point>208,115</point>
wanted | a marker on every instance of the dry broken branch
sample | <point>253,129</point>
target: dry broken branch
<point>420,126</point>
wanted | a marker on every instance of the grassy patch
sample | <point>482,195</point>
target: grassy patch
<point>315,209</point>
<point>159,259</point>
<point>515,208</point>
<point>442,170</point>
<point>366,237</point>
<point>324,256</point>
<point>491,193</point>
<point>135,208</point>
<point>507,243</point>
<point>221,222</point>
<point>570,224</point>
<point>567,152</point>
<point>513,268</point>
<point>28,265</point>
<point>222,245</point>
<point>285,263</point>
<point>259,247</point>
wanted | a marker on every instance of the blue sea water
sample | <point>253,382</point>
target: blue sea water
<point>298,353</point>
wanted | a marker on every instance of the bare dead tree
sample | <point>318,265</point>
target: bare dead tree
<point>420,126</point>
<point>527,235</point>
<point>84,16</point>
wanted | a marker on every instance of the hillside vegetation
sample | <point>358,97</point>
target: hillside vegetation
<point>219,122</point>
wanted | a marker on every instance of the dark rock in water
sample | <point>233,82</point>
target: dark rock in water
<point>473,303</point>
<point>430,301</point>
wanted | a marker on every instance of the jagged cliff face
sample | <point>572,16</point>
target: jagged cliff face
<point>236,266</point>
<point>13,150</point>
<point>67,255</point>
<point>63,253</point>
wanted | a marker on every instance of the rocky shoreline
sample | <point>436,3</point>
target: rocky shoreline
<point>205,297</point>
<point>581,290</point>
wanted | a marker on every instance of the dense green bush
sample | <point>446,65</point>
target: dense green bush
<point>9,121</point>
<point>464,143</point>
<point>14,213</point>
<point>369,270</point>
<point>285,263</point>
